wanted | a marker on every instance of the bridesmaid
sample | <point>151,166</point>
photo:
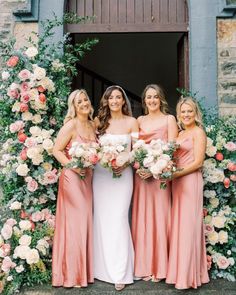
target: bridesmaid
<point>152,205</point>
<point>72,264</point>
<point>187,260</point>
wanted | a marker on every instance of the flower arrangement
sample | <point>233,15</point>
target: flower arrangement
<point>113,154</point>
<point>35,84</point>
<point>83,155</point>
<point>156,157</point>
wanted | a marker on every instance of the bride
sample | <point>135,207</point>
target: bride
<point>113,248</point>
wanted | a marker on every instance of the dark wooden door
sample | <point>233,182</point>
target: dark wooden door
<point>183,62</point>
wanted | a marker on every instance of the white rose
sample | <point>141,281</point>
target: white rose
<point>26,116</point>
<point>16,107</point>
<point>19,268</point>
<point>214,202</point>
<point>35,131</point>
<point>209,194</point>
<point>37,119</point>
<point>25,240</point>
<point>21,252</point>
<point>15,206</point>
<point>47,84</point>
<point>32,256</point>
<point>207,219</point>
<point>5,75</point>
<point>47,144</point>
<point>218,221</point>
<point>148,161</point>
<point>211,151</point>
<point>223,237</point>
<point>33,94</point>
<point>31,52</point>
<point>39,73</point>
<point>213,237</point>
<point>34,152</point>
<point>9,278</point>
<point>25,225</point>
<point>22,170</point>
<point>37,159</point>
<point>231,260</point>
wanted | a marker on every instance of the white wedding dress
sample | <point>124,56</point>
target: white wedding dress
<point>113,247</point>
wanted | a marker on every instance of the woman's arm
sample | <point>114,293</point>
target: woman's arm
<point>199,148</point>
<point>172,128</point>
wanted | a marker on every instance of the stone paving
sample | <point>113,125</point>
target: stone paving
<point>215,287</point>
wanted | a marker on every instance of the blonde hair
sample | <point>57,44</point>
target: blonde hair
<point>193,103</point>
<point>163,103</point>
<point>71,113</point>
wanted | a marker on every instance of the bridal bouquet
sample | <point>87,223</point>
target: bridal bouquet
<point>83,155</point>
<point>113,154</point>
<point>157,157</point>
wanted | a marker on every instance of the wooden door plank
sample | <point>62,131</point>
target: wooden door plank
<point>130,11</point>
<point>113,11</point>
<point>147,11</point>
<point>80,7</point>
<point>105,11</point>
<point>164,11</point>
<point>156,11</point>
<point>122,11</point>
<point>138,11</point>
<point>97,11</point>
<point>172,11</point>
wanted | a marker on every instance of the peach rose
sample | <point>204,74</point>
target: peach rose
<point>24,107</point>
<point>136,165</point>
<point>42,98</point>
<point>21,137</point>
<point>231,166</point>
<point>23,154</point>
<point>233,177</point>
<point>230,146</point>
<point>226,182</point>
<point>219,156</point>
<point>13,61</point>
<point>209,262</point>
<point>222,262</point>
<point>24,75</point>
<point>37,216</point>
<point>24,98</point>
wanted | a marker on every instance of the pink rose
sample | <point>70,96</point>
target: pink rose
<point>23,214</point>
<point>208,228</point>
<point>5,249</point>
<point>7,264</point>
<point>209,262</point>
<point>50,177</point>
<point>24,107</point>
<point>24,86</point>
<point>30,142</point>
<point>46,213</point>
<point>205,212</point>
<point>233,177</point>
<point>24,75</point>
<point>231,166</point>
<point>32,186</point>
<point>12,61</point>
<point>222,262</point>
<point>17,126</point>
<point>93,159</point>
<point>24,98</point>
<point>37,216</point>
<point>13,93</point>
<point>226,182</point>
<point>136,165</point>
<point>6,232</point>
<point>230,146</point>
<point>219,156</point>
<point>11,222</point>
<point>23,154</point>
<point>51,221</point>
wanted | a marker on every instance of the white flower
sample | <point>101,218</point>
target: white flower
<point>25,225</point>
<point>26,116</point>
<point>209,194</point>
<point>22,170</point>
<point>9,278</point>
<point>212,237</point>
<point>57,65</point>
<point>35,131</point>
<point>5,75</point>
<point>16,107</point>
<point>32,256</point>
<point>25,240</point>
<point>47,144</point>
<point>31,52</point>
<point>39,73</point>
<point>37,119</point>
<point>33,94</point>
<point>19,268</point>
<point>223,237</point>
<point>47,84</point>
<point>214,202</point>
<point>218,221</point>
<point>15,206</point>
<point>231,260</point>
<point>21,251</point>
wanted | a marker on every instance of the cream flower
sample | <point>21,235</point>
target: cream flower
<point>214,202</point>
<point>209,194</point>
<point>48,144</point>
<point>39,73</point>
<point>37,119</point>
<point>218,221</point>
<point>15,206</point>
<point>25,225</point>
<point>31,52</point>
<point>26,116</point>
<point>25,240</point>
<point>222,262</point>
<point>19,268</point>
<point>32,256</point>
<point>21,251</point>
<point>6,231</point>
<point>212,237</point>
<point>223,237</point>
<point>22,170</point>
<point>16,107</point>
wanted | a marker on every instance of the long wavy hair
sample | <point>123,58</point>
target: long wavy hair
<point>71,112</point>
<point>160,92</point>
<point>104,113</point>
<point>192,103</point>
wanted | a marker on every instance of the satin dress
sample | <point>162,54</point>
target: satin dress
<point>72,261</point>
<point>151,219</point>
<point>113,247</point>
<point>187,259</point>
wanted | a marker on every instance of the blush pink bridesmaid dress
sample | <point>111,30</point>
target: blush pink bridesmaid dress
<point>72,261</point>
<point>187,259</point>
<point>151,219</point>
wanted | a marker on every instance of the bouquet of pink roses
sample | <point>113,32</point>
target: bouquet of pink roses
<point>157,157</point>
<point>83,155</point>
<point>113,154</point>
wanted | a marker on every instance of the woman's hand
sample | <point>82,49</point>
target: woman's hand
<point>118,170</point>
<point>144,174</point>
<point>80,171</point>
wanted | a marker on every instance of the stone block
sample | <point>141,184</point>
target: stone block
<point>228,97</point>
<point>228,67</point>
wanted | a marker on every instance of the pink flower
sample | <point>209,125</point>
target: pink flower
<point>50,177</point>
<point>22,137</point>
<point>208,228</point>
<point>226,182</point>
<point>24,86</point>
<point>5,250</point>
<point>23,214</point>
<point>209,262</point>
<point>231,166</point>
<point>32,185</point>
<point>12,61</point>
<point>24,98</point>
<point>37,216</point>
<point>24,107</point>
<point>233,177</point>
<point>46,213</point>
<point>11,222</point>
<point>93,159</point>
<point>136,165</point>
<point>30,142</point>
<point>23,154</point>
<point>222,262</point>
<point>24,75</point>
<point>6,231</point>
<point>42,98</point>
<point>205,212</point>
<point>7,264</point>
<point>51,221</point>
<point>41,89</point>
<point>17,126</point>
<point>219,156</point>
<point>230,146</point>
<point>13,93</point>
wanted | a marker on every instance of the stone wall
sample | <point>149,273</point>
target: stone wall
<point>226,40</point>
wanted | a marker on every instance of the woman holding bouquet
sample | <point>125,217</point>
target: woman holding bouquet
<point>151,204</point>
<point>187,260</point>
<point>113,248</point>
<point>72,262</point>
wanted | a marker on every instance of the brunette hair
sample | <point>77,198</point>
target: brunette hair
<point>104,113</point>
<point>163,103</point>
<point>71,112</point>
<point>193,103</point>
